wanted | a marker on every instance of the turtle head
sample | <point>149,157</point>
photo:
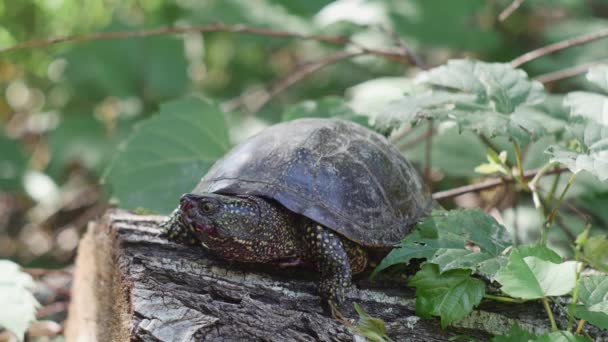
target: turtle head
<point>235,227</point>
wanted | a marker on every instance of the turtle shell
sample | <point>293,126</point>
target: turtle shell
<point>337,173</point>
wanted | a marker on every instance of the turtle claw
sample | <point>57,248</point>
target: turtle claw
<point>334,311</point>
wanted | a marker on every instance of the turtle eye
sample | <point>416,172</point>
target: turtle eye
<point>207,207</point>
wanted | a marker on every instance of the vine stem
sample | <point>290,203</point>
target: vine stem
<point>564,44</point>
<point>549,313</point>
<point>553,213</point>
<point>579,328</point>
<point>504,299</point>
<point>403,57</point>
<point>580,243</point>
<point>520,167</point>
<point>489,183</point>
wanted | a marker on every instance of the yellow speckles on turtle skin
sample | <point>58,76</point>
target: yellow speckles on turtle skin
<point>253,229</point>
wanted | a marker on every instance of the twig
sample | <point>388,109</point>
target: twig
<point>412,57</point>
<point>568,72</point>
<point>219,27</point>
<point>401,133</point>
<point>489,183</point>
<point>415,141</point>
<point>564,44</point>
<point>282,84</point>
<point>509,10</point>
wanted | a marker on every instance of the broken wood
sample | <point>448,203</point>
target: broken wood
<point>130,284</point>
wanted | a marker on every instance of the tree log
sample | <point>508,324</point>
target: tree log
<point>132,285</point>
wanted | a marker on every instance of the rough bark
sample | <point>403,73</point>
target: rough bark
<point>132,285</point>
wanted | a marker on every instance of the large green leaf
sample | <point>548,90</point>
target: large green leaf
<point>153,69</point>
<point>593,294</point>
<point>82,139</point>
<point>498,85</point>
<point>591,105</point>
<point>590,152</point>
<point>531,277</point>
<point>470,235</point>
<point>16,299</point>
<point>450,295</point>
<point>492,99</point>
<point>595,252</point>
<point>168,154</point>
<point>516,334</point>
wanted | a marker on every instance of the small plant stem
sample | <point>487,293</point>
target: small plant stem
<point>503,299</point>
<point>553,213</point>
<point>580,243</point>
<point>520,167</point>
<point>551,194</point>
<point>549,313</point>
<point>579,327</point>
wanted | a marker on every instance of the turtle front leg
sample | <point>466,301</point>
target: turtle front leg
<point>326,251</point>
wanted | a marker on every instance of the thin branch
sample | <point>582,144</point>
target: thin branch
<point>416,140</point>
<point>401,133</point>
<point>564,44</point>
<point>509,10</point>
<point>489,183</point>
<point>412,57</point>
<point>568,72</point>
<point>262,98</point>
<point>396,56</point>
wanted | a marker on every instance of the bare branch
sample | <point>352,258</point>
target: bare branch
<point>509,10</point>
<point>412,57</point>
<point>564,44</point>
<point>396,56</point>
<point>490,183</point>
<point>568,72</point>
<point>262,98</point>
<point>416,140</point>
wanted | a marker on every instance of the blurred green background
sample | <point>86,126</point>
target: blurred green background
<point>66,108</point>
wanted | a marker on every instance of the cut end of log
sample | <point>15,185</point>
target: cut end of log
<point>132,285</point>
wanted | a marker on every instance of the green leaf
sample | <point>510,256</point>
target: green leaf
<point>450,295</point>
<point>561,336</point>
<point>470,234</point>
<point>16,299</point>
<point>593,294</point>
<point>12,164</point>
<point>532,278</point>
<point>595,252</point>
<point>498,84</point>
<point>328,107</point>
<point>82,139</point>
<point>599,76</point>
<point>590,153</point>
<point>492,99</point>
<point>372,328</point>
<point>591,105</point>
<point>154,68</point>
<point>516,334</point>
<point>539,251</point>
<point>168,154</point>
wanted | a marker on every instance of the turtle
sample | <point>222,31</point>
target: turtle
<point>318,192</point>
